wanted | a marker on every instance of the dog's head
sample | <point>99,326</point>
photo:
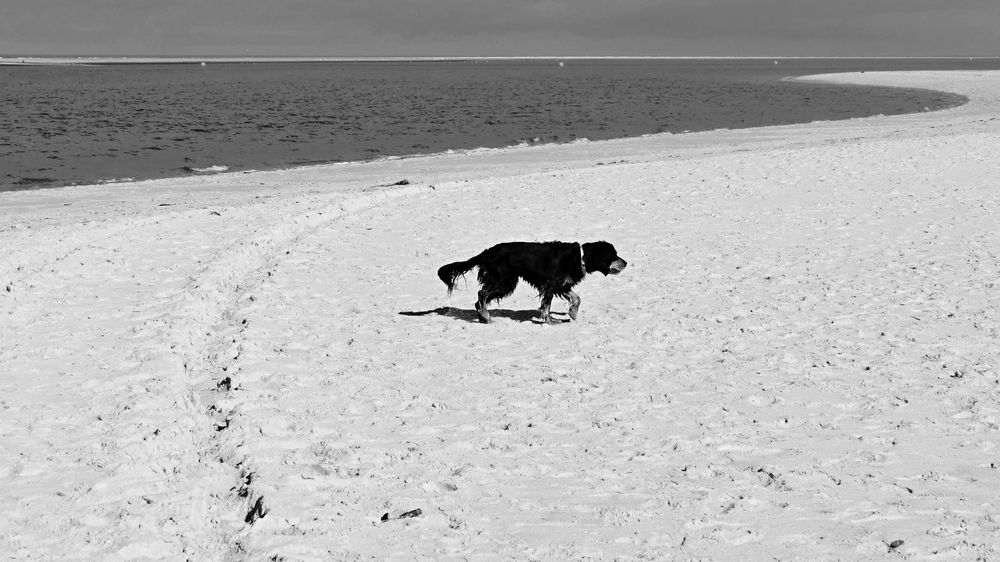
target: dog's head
<point>601,256</point>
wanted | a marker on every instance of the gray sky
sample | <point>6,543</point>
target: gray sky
<point>501,27</point>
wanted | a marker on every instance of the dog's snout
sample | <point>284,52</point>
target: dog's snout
<point>618,265</point>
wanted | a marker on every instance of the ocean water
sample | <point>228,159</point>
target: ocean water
<point>64,125</point>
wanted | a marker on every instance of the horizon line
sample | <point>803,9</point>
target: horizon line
<point>137,59</point>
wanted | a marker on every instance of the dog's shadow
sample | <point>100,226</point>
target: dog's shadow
<point>471,316</point>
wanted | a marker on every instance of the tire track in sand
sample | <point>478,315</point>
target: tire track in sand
<point>116,435</point>
<point>215,302</point>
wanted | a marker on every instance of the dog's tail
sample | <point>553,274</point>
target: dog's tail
<point>451,272</point>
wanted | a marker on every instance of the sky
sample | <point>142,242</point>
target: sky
<point>332,28</point>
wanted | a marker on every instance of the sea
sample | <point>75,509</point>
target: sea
<point>96,123</point>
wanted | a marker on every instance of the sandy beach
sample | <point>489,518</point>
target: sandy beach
<point>800,362</point>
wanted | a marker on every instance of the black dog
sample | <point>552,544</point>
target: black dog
<point>553,268</point>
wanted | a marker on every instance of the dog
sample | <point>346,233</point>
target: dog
<point>553,268</point>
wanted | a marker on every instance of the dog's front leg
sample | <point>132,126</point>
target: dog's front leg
<point>546,306</point>
<point>574,304</point>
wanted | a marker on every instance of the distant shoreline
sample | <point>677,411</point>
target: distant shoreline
<point>13,60</point>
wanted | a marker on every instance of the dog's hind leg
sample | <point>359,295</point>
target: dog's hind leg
<point>495,285</point>
<point>574,303</point>
<point>484,299</point>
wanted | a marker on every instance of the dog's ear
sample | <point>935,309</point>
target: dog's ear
<point>597,256</point>
<point>602,256</point>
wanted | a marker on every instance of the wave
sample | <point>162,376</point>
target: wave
<point>216,169</point>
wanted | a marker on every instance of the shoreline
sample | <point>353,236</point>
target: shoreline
<point>802,353</point>
<point>194,173</point>
<point>90,166</point>
<point>585,145</point>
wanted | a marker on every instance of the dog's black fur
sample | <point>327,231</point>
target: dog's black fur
<point>553,268</point>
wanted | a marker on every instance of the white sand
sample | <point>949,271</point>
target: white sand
<point>800,362</point>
